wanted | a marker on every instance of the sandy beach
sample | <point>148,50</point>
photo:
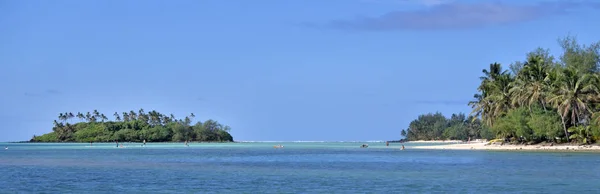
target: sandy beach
<point>485,146</point>
<point>437,141</point>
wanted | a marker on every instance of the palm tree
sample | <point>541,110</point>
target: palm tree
<point>530,86</point>
<point>96,114</point>
<point>166,119</point>
<point>117,117</point>
<point>187,121</point>
<point>155,117</point>
<point>480,107</point>
<point>494,97</point>
<point>142,115</point>
<point>80,116</point>
<point>62,117</point>
<point>132,115</point>
<point>58,129</point>
<point>103,117</point>
<point>125,117</point>
<point>572,96</point>
<point>500,94</point>
<point>71,116</point>
<point>495,70</point>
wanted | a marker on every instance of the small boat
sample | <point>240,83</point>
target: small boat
<point>364,146</point>
<point>278,146</point>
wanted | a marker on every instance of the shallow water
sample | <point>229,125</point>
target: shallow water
<point>309,167</point>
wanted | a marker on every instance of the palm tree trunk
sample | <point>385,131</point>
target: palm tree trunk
<point>544,105</point>
<point>562,118</point>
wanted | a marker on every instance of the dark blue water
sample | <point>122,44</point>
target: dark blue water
<point>297,168</point>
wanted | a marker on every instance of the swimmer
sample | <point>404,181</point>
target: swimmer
<point>6,147</point>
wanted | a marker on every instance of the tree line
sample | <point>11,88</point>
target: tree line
<point>540,99</point>
<point>435,126</point>
<point>133,126</point>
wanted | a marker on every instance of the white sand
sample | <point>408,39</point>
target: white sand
<point>437,141</point>
<point>484,146</point>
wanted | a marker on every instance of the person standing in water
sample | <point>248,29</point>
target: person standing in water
<point>144,143</point>
<point>186,143</point>
<point>402,146</point>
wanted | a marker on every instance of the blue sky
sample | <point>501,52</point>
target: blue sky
<point>271,69</point>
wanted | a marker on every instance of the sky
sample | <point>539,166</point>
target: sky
<point>273,70</point>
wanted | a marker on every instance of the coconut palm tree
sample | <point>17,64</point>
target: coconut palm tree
<point>500,95</point>
<point>96,114</point>
<point>132,116</point>
<point>80,116</point>
<point>166,119</point>
<point>71,116</point>
<point>103,117</point>
<point>62,117</point>
<point>572,96</point>
<point>530,86</point>
<point>493,88</point>
<point>117,116</point>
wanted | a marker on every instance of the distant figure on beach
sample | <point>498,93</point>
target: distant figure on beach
<point>144,143</point>
<point>402,146</point>
<point>186,143</point>
<point>117,142</point>
<point>387,143</point>
<point>90,143</point>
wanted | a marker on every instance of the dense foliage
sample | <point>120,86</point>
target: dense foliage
<point>133,126</point>
<point>437,127</point>
<point>540,99</point>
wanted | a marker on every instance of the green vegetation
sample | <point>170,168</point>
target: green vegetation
<point>437,127</point>
<point>539,100</point>
<point>133,126</point>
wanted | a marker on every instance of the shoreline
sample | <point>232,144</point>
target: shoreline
<point>103,142</point>
<point>435,141</point>
<point>484,146</point>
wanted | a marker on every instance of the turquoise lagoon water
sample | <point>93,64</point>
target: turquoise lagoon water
<point>306,167</point>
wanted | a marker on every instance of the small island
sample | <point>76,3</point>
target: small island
<point>133,126</point>
<point>540,100</point>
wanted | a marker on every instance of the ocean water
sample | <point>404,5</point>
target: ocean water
<point>299,167</point>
